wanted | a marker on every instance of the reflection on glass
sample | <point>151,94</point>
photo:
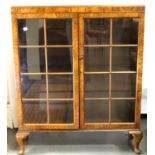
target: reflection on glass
<point>60,60</point>
<point>60,86</point>
<point>96,85</point>
<point>31,31</point>
<point>125,31</point>
<point>96,59</point>
<point>123,85</point>
<point>123,110</point>
<point>124,59</point>
<point>59,31</point>
<point>96,111</point>
<point>35,112</point>
<point>33,86</point>
<point>27,57</point>
<point>96,31</point>
<point>61,112</point>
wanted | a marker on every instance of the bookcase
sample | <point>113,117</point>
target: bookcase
<point>78,68</point>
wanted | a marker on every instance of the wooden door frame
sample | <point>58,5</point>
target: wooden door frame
<point>74,18</point>
<point>109,125</point>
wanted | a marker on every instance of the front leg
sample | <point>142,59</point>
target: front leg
<point>21,137</point>
<point>137,135</point>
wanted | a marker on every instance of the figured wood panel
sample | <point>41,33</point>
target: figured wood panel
<point>140,70</point>
<point>75,9</point>
<point>17,67</point>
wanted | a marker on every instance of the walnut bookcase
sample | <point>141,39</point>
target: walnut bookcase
<point>78,68</point>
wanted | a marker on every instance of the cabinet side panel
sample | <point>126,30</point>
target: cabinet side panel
<point>140,67</point>
<point>17,67</point>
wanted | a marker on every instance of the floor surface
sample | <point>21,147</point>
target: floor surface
<point>85,143</point>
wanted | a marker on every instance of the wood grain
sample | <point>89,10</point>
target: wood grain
<point>137,135</point>
<point>75,9</point>
<point>21,136</point>
<point>17,67</point>
<point>139,68</point>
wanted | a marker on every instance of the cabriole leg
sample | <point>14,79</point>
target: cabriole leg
<point>21,137</point>
<point>137,137</point>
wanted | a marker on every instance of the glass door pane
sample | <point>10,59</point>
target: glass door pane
<point>96,111</point>
<point>123,85</point>
<point>60,59</point>
<point>31,31</point>
<point>34,112</point>
<point>97,86</point>
<point>33,86</point>
<point>125,31</point>
<point>60,86</point>
<point>61,112</point>
<point>123,111</point>
<point>27,57</point>
<point>124,58</point>
<point>96,31</point>
<point>96,59</point>
<point>59,31</point>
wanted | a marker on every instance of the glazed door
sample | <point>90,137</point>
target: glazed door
<point>108,70</point>
<point>48,60</point>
